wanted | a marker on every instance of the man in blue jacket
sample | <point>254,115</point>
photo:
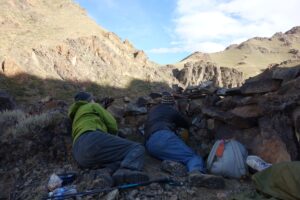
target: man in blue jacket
<point>163,143</point>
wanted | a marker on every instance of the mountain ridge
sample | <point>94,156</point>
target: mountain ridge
<point>254,54</point>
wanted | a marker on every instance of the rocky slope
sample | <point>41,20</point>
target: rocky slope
<point>263,114</point>
<point>256,54</point>
<point>46,42</point>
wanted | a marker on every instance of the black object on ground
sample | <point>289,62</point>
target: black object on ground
<point>121,187</point>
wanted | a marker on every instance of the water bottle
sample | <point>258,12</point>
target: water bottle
<point>62,191</point>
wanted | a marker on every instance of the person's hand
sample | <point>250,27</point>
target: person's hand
<point>121,134</point>
<point>183,134</point>
<point>106,101</point>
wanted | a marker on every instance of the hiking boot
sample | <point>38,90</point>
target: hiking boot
<point>123,176</point>
<point>196,178</point>
<point>99,178</point>
<point>174,168</point>
<point>257,163</point>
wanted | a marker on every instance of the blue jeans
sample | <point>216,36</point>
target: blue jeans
<point>166,145</point>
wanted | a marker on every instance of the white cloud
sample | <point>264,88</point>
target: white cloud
<point>211,25</point>
<point>165,50</point>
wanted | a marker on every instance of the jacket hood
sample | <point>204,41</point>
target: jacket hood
<point>74,107</point>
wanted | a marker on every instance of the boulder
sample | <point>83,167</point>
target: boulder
<point>261,86</point>
<point>286,74</point>
<point>291,87</point>
<point>6,101</point>
<point>279,103</point>
<point>272,150</point>
<point>250,138</point>
<point>230,118</point>
<point>279,127</point>
<point>248,111</point>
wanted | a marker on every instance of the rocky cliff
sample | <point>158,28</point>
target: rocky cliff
<point>57,40</point>
<point>195,73</point>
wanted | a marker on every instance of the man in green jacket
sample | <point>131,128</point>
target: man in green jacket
<point>95,145</point>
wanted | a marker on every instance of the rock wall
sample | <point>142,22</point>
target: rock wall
<point>263,114</point>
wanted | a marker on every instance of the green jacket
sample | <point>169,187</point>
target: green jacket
<point>87,116</point>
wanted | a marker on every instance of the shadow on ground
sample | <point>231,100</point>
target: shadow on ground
<point>27,89</point>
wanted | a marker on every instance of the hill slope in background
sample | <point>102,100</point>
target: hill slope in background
<point>256,54</point>
<point>56,39</point>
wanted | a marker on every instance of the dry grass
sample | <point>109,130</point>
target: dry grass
<point>38,124</point>
<point>9,119</point>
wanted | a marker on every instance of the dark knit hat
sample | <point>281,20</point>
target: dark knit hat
<point>83,96</point>
<point>167,98</point>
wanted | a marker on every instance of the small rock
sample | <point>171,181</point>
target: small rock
<point>132,194</point>
<point>173,197</point>
<point>112,195</point>
<point>133,109</point>
<point>154,186</point>
<point>126,99</point>
<point>222,195</point>
<point>174,168</point>
<point>191,192</point>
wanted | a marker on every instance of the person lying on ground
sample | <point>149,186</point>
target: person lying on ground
<point>163,143</point>
<point>280,180</point>
<point>95,145</point>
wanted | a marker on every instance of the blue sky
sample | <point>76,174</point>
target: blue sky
<point>169,30</point>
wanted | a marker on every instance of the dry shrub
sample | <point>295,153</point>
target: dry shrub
<point>44,136</point>
<point>8,121</point>
<point>39,124</point>
<point>9,118</point>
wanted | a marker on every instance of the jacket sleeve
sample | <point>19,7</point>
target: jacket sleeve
<point>180,121</point>
<point>109,121</point>
<point>71,112</point>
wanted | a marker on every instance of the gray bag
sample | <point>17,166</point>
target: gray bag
<point>232,163</point>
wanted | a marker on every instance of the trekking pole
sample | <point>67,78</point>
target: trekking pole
<point>127,186</point>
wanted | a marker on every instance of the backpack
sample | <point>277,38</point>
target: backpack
<point>228,158</point>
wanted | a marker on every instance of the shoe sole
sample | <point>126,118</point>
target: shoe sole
<point>136,178</point>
